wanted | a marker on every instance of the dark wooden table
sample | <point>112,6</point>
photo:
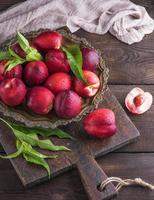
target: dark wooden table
<point>130,66</point>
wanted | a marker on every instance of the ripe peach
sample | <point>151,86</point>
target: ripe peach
<point>90,59</point>
<point>35,73</point>
<point>56,61</point>
<point>58,82</point>
<point>67,104</point>
<point>137,101</point>
<point>13,91</point>
<point>40,100</point>
<point>91,88</point>
<point>48,40</point>
<point>100,123</point>
<point>15,72</point>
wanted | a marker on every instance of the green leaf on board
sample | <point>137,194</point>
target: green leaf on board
<point>29,138</point>
<point>74,57</point>
<point>26,138</point>
<point>55,132</point>
<point>43,144</point>
<point>14,155</point>
<point>34,156</point>
<point>45,132</point>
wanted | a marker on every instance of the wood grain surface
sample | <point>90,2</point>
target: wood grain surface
<point>130,66</point>
<point>31,175</point>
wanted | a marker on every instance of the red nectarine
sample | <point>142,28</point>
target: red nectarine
<point>91,88</point>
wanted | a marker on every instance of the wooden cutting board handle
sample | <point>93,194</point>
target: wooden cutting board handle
<point>91,176</point>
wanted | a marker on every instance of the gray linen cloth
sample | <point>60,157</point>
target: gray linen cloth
<point>122,18</point>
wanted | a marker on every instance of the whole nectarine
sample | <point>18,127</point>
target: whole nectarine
<point>56,61</point>
<point>58,82</point>
<point>67,104</point>
<point>12,91</point>
<point>40,100</point>
<point>89,89</point>
<point>48,40</point>
<point>35,73</point>
<point>100,123</point>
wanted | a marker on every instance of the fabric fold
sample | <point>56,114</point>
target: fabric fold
<point>122,18</point>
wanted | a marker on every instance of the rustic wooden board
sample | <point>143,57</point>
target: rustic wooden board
<point>69,187</point>
<point>31,175</point>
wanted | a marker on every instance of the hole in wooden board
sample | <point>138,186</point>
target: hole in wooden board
<point>99,189</point>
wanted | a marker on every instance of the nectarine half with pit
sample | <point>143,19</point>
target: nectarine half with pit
<point>137,101</point>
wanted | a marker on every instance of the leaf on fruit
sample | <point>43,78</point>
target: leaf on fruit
<point>23,42</point>
<point>74,57</point>
<point>12,53</point>
<point>5,55</point>
<point>32,53</point>
<point>12,63</point>
<point>12,57</point>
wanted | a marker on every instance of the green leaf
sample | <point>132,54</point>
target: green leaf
<point>5,55</point>
<point>23,42</point>
<point>37,160</point>
<point>22,128</point>
<point>12,63</point>
<point>26,138</point>
<point>32,53</point>
<point>74,57</point>
<point>12,53</point>
<point>45,132</point>
<point>56,132</point>
<point>76,52</point>
<point>34,156</point>
<point>27,148</point>
<point>34,141</point>
<point>6,123</point>
<point>48,145</point>
<point>13,155</point>
<point>43,144</point>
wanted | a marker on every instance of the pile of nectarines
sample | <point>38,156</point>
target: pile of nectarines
<point>48,84</point>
